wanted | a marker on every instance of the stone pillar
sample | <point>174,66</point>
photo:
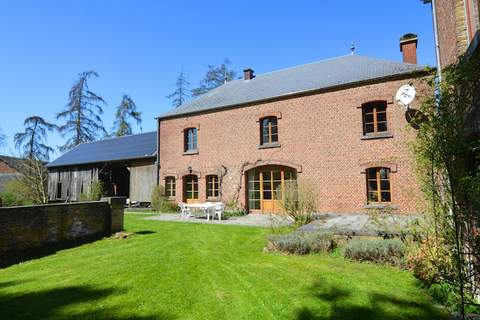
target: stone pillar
<point>117,206</point>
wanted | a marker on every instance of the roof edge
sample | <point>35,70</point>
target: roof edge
<point>92,162</point>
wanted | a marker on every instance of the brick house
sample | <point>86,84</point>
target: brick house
<point>333,124</point>
<point>458,25</point>
<point>9,170</point>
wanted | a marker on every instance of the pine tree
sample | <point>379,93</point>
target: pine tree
<point>31,141</point>
<point>82,113</point>
<point>215,76</point>
<point>180,95</point>
<point>127,109</point>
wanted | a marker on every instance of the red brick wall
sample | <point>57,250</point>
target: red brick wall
<point>319,134</point>
<point>453,37</point>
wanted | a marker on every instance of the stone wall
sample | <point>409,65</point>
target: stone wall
<point>29,228</point>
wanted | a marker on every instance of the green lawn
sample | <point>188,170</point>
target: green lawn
<point>197,271</point>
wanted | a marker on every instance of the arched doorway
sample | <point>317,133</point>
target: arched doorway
<point>266,187</point>
<point>190,188</point>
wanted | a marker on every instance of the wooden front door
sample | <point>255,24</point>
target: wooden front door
<point>266,187</point>
<point>190,187</point>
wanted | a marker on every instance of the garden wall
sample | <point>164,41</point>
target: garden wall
<point>33,228</point>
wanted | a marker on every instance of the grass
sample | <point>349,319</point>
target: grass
<point>197,271</point>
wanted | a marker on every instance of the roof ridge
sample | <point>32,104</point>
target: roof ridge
<point>113,138</point>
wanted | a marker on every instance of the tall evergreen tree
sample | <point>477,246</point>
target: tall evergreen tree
<point>215,76</point>
<point>82,113</point>
<point>127,109</point>
<point>181,94</point>
<point>31,141</point>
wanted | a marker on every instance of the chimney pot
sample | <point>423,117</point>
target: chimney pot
<point>408,47</point>
<point>248,74</point>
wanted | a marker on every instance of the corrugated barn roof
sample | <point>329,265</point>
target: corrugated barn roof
<point>136,146</point>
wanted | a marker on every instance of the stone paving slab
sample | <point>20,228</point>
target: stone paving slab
<point>360,224</point>
<point>251,220</point>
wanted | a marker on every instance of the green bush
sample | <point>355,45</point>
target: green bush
<point>233,213</point>
<point>94,193</point>
<point>302,242</point>
<point>160,202</point>
<point>381,251</point>
<point>16,193</point>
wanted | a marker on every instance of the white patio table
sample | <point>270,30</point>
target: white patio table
<point>205,207</point>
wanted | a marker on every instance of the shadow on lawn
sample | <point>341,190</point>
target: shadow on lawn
<point>144,232</point>
<point>48,304</point>
<point>343,306</point>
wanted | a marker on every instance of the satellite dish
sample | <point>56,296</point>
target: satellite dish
<point>405,95</point>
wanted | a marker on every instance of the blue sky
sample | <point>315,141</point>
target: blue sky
<point>139,46</point>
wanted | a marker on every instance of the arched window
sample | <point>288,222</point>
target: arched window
<point>378,185</point>
<point>190,139</point>
<point>170,187</point>
<point>212,186</point>
<point>374,117</point>
<point>268,131</point>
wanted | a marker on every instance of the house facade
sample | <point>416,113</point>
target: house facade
<point>9,170</point>
<point>333,124</point>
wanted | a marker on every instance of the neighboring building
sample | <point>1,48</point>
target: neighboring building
<point>9,170</point>
<point>125,165</point>
<point>458,25</point>
<point>334,124</point>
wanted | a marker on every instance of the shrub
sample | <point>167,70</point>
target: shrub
<point>233,213</point>
<point>431,260</point>
<point>299,202</point>
<point>160,202</point>
<point>381,251</point>
<point>16,193</point>
<point>302,242</point>
<point>94,192</point>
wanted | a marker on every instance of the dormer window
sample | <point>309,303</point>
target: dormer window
<point>268,131</point>
<point>190,140</point>
<point>374,118</point>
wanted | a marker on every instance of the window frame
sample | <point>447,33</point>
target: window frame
<point>213,186</point>
<point>190,147</point>
<point>379,189</point>
<point>170,187</point>
<point>271,128</point>
<point>375,105</point>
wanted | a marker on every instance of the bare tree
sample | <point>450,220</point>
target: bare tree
<point>127,109</point>
<point>82,113</point>
<point>31,141</point>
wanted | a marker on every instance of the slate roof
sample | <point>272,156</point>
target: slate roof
<point>136,146</point>
<point>322,74</point>
<point>12,162</point>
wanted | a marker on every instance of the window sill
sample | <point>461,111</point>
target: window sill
<point>378,135</point>
<point>380,206</point>
<point>269,145</point>
<point>190,152</point>
<point>212,199</point>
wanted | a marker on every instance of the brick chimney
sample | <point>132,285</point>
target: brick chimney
<point>408,46</point>
<point>248,74</point>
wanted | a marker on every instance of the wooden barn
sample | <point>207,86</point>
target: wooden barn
<point>124,165</point>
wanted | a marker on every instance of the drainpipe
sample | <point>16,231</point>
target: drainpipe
<point>435,33</point>
<point>158,151</point>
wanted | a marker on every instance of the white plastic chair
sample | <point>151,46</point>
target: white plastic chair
<point>184,211</point>
<point>218,210</point>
